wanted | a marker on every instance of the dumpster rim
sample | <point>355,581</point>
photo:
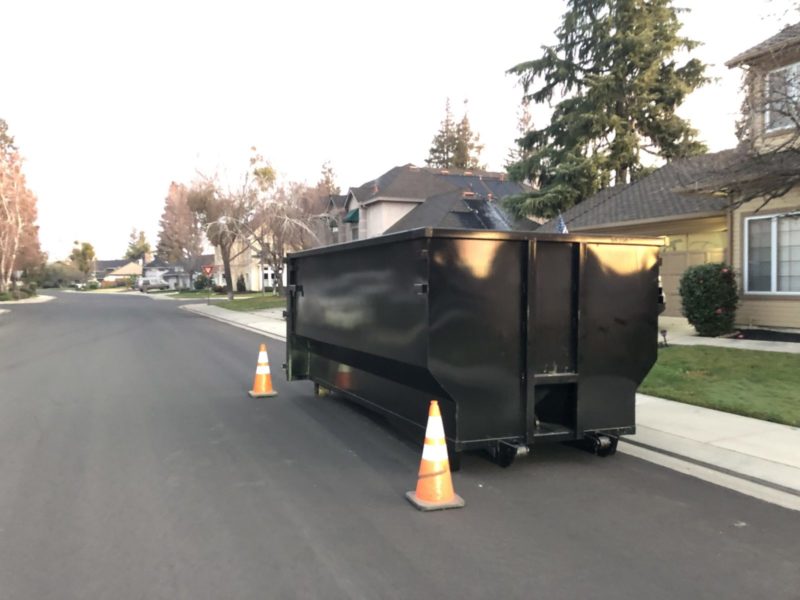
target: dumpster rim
<point>479,234</point>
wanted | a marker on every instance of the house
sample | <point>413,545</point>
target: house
<point>176,276</point>
<point>155,269</point>
<point>326,227</point>
<point>105,268</point>
<point>741,206</point>
<point>407,197</point>
<point>112,273</point>
<point>765,238</point>
<point>245,264</point>
<point>696,224</point>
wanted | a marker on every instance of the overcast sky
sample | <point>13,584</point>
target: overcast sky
<point>111,101</point>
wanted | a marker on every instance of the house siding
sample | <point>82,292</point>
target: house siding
<point>378,217</point>
<point>763,310</point>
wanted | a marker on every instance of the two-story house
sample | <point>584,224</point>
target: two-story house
<point>741,206</point>
<point>765,238</point>
<point>408,197</point>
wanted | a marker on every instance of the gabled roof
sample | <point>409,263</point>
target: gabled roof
<point>786,37</point>
<point>106,266</point>
<point>671,191</point>
<point>129,268</point>
<point>416,184</point>
<point>336,202</point>
<point>459,210</point>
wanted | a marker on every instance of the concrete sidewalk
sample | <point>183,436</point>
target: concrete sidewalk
<point>754,457</point>
<point>680,333</point>
<point>269,322</point>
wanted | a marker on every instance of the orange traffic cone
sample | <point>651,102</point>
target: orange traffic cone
<point>434,486</point>
<point>262,382</point>
<point>344,377</point>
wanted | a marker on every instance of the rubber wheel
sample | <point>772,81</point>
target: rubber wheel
<point>610,450</point>
<point>504,455</point>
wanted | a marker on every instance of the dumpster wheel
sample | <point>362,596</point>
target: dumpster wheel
<point>320,391</point>
<point>504,453</point>
<point>602,445</point>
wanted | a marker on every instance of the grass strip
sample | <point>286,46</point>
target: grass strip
<point>764,385</point>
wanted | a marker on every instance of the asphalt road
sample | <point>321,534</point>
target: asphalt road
<point>134,465</point>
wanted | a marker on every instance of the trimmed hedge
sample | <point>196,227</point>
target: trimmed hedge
<point>709,298</point>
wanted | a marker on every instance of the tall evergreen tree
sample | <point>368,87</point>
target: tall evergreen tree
<point>138,246</point>
<point>181,236</point>
<point>455,145</point>
<point>614,65</point>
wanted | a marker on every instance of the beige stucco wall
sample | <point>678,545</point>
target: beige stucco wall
<point>763,310</point>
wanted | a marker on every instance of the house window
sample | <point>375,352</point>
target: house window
<point>783,93</point>
<point>772,254</point>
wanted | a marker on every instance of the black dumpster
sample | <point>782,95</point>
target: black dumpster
<point>522,337</point>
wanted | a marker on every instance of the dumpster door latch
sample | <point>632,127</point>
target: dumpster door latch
<point>296,290</point>
<point>421,288</point>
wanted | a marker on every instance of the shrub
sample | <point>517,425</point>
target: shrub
<point>92,285</point>
<point>5,296</point>
<point>201,282</point>
<point>709,298</point>
<point>240,284</point>
<point>220,289</point>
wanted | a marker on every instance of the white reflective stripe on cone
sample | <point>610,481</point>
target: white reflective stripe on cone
<point>435,429</point>
<point>262,357</point>
<point>262,370</point>
<point>434,452</point>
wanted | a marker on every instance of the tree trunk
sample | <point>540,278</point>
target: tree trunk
<point>225,251</point>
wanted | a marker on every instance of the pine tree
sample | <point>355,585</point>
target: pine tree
<point>524,124</point>
<point>181,236</point>
<point>138,246</point>
<point>614,66</point>
<point>454,146</point>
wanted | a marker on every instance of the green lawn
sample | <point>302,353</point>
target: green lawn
<point>253,303</point>
<point>764,385</point>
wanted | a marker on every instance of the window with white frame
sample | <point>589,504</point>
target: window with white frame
<point>783,94</point>
<point>772,254</point>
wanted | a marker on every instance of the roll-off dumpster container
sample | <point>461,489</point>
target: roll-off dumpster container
<point>522,337</point>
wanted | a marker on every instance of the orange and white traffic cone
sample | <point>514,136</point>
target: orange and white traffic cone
<point>262,382</point>
<point>435,485</point>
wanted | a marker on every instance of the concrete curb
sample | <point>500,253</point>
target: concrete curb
<point>200,310</point>
<point>34,300</point>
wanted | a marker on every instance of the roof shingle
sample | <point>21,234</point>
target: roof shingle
<point>788,36</point>
<point>671,191</point>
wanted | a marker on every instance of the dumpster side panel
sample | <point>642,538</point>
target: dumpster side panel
<point>617,332</point>
<point>365,300</point>
<point>475,351</point>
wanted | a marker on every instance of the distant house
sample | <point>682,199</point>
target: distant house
<point>720,206</point>
<point>410,197</point>
<point>175,275</point>
<point>155,270</point>
<point>105,268</point>
<point>122,273</point>
<point>327,226</point>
